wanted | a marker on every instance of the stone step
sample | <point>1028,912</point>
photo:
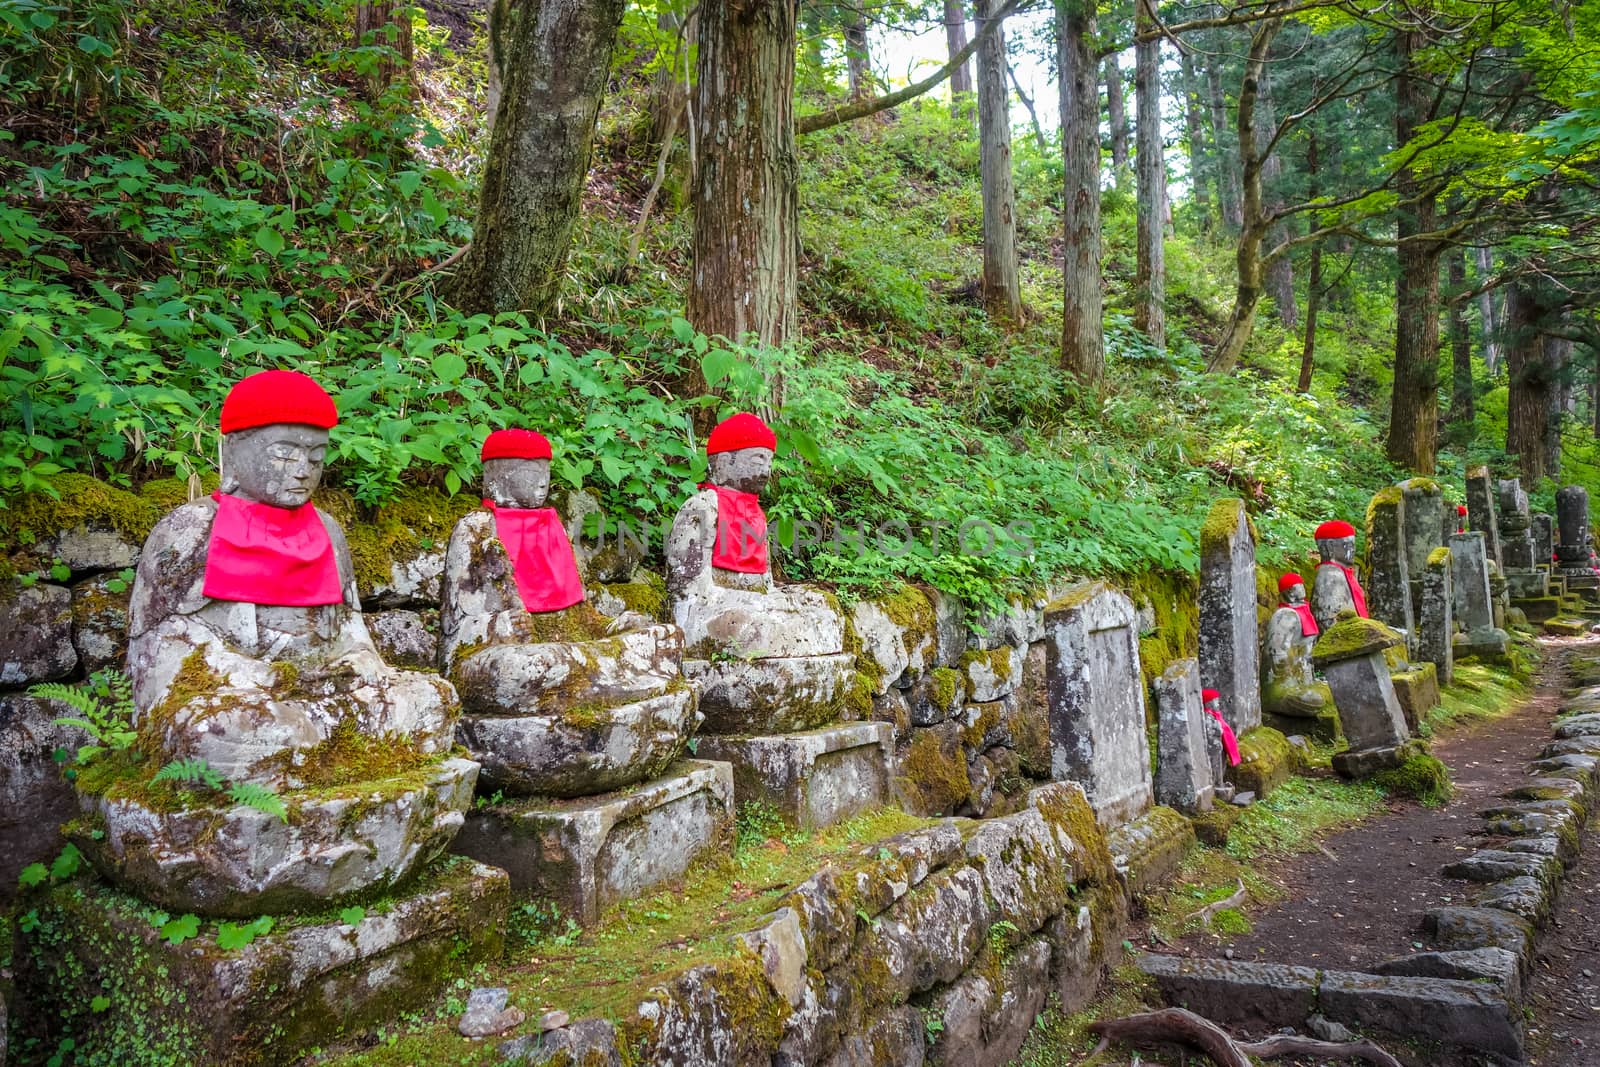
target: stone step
<point>815,778</point>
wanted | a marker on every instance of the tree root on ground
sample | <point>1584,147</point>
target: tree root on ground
<point>1182,1027</point>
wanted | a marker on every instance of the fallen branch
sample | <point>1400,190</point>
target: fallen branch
<point>1205,914</point>
<point>1293,1045</point>
<point>1182,1027</point>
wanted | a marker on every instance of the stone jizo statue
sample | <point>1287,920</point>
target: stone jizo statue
<point>558,699</point>
<point>719,579</point>
<point>247,645</point>
<point>1289,686</point>
<point>1337,588</point>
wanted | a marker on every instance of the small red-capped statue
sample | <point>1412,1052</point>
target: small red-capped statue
<point>1288,683</point>
<point>1230,744</point>
<point>527,650</point>
<point>1336,586</point>
<point>1461,518</point>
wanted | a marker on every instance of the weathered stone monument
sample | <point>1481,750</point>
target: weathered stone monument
<point>1474,607</point>
<point>1481,517</point>
<point>561,702</point>
<point>1388,584</point>
<point>1185,778</point>
<point>306,771</point>
<point>1229,638</point>
<point>1427,527</point>
<point>1336,587</point>
<point>1544,539</point>
<point>1350,653</point>
<point>769,659</point>
<point>1289,688</point>
<point>1436,628</point>
<point>1518,554</point>
<point>1574,552</point>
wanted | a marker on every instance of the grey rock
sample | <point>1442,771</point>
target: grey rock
<point>782,951</point>
<point>487,1014</point>
<point>404,638</point>
<point>930,936</point>
<point>553,1020</point>
<point>934,699</point>
<point>1526,897</point>
<point>993,675</point>
<point>816,778</point>
<point>587,1041</point>
<point>94,546</point>
<point>1096,701</point>
<point>1472,1015</point>
<point>1490,964</point>
<point>986,1019</point>
<point>1328,1030</point>
<point>1244,799</point>
<point>37,624</point>
<point>34,799</point>
<point>770,695</point>
<point>1468,928</point>
<point>1229,642</point>
<point>1492,865</point>
<point>950,627</point>
<point>1262,996</point>
<point>1023,868</point>
<point>100,621</point>
<point>1474,606</point>
<point>1147,850</point>
<point>415,577</point>
<point>1481,494</point>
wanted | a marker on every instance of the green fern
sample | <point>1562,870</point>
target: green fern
<point>247,794</point>
<point>105,710</point>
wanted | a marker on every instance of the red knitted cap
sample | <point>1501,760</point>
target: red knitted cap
<point>1208,695</point>
<point>1334,529</point>
<point>1289,581</point>
<point>277,396</point>
<point>1461,509</point>
<point>516,444</point>
<point>743,430</point>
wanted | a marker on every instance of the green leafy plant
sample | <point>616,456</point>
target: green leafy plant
<point>177,931</point>
<point>234,936</point>
<point>105,710</point>
<point>353,915</point>
<point>249,794</point>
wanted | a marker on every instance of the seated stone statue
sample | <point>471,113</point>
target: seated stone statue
<point>1336,588</point>
<point>1289,686</point>
<point>558,699</point>
<point>248,650</point>
<point>770,657</point>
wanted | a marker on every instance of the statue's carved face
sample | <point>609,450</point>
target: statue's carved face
<point>280,465</point>
<point>1340,549</point>
<point>517,483</point>
<point>1295,594</point>
<point>746,470</point>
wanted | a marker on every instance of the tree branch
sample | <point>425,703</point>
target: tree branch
<point>860,109</point>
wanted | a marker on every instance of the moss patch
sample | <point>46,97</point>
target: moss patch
<point>1422,777</point>
<point>1439,558</point>
<point>1353,636</point>
<point>415,518</point>
<point>647,597</point>
<point>82,501</point>
<point>1174,600</point>
<point>1266,761</point>
<point>933,772</point>
<point>350,756</point>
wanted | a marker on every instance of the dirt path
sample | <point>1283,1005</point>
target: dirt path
<point>1361,901</point>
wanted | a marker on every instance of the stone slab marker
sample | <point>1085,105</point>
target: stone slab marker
<point>1426,527</point>
<point>1544,538</point>
<point>1388,579</point>
<point>1572,517</point>
<point>1436,628</point>
<point>1184,778</point>
<point>1351,656</point>
<point>1516,527</point>
<point>1096,700</point>
<point>1481,510</point>
<point>1473,601</point>
<point>1230,638</point>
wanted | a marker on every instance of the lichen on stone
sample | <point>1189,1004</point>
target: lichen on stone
<point>1353,636</point>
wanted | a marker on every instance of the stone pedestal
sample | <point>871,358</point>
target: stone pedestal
<point>1229,638</point>
<point>1481,491</point>
<point>1544,538</point>
<point>1418,692</point>
<point>1517,551</point>
<point>589,853</point>
<point>1436,628</point>
<point>1184,778</point>
<point>300,985</point>
<point>1474,604</point>
<point>770,695</point>
<point>1388,582</point>
<point>816,778</point>
<point>1351,656</point>
<point>1096,700</point>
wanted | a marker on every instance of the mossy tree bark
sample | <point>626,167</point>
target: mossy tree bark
<point>1198,169</point>
<point>1002,296</point>
<point>1149,310</point>
<point>1117,118</point>
<point>955,36</point>
<point>1082,339</point>
<point>1531,395</point>
<point>857,56</point>
<point>746,212</point>
<point>1308,351</point>
<point>1414,402</point>
<point>557,60</point>
<point>1461,399</point>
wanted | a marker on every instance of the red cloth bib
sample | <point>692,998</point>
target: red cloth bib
<point>1356,592</point>
<point>1308,621</point>
<point>1230,744</point>
<point>542,562</point>
<point>260,554</point>
<point>741,532</point>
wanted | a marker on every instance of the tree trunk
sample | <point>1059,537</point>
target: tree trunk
<point>857,57</point>
<point>1532,385</point>
<point>1001,291</point>
<point>1557,351</point>
<point>1414,401</point>
<point>502,25</point>
<point>1247,259</point>
<point>1033,112</point>
<point>1280,270</point>
<point>746,214</point>
<point>1082,337</point>
<point>1461,399</point>
<point>1191,126</point>
<point>955,36</point>
<point>1308,351</point>
<point>1149,311</point>
<point>558,61</point>
<point>669,90</point>
<point>1230,187</point>
<point>1117,118</point>
<point>1489,321</point>
<point>389,24</point>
